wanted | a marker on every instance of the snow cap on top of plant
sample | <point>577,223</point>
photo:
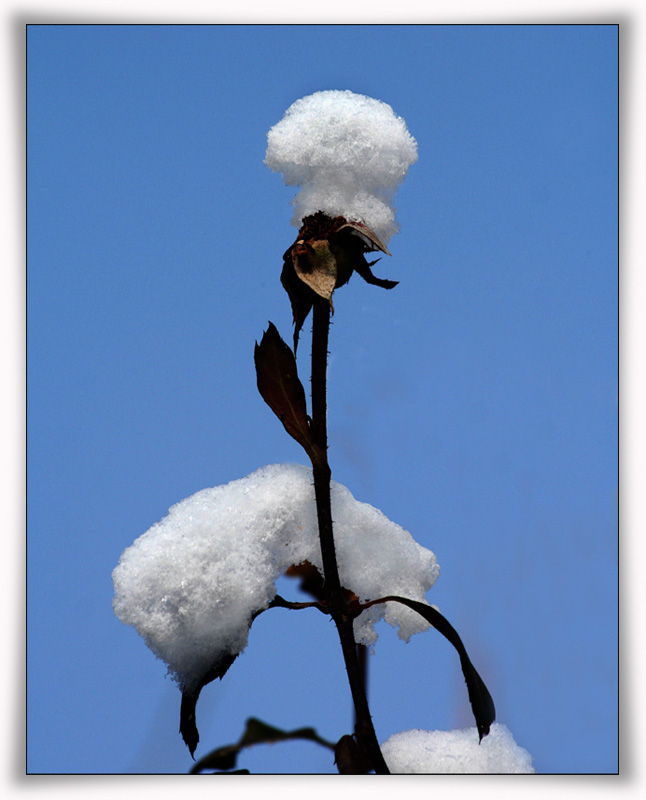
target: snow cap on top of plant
<point>348,152</point>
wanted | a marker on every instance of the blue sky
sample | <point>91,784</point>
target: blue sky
<point>476,404</point>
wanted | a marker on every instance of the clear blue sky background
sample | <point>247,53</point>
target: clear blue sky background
<point>475,404</point>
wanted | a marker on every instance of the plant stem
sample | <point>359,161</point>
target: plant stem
<point>334,594</point>
<point>362,658</point>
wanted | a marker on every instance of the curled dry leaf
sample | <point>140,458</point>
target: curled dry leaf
<point>316,266</point>
<point>365,232</point>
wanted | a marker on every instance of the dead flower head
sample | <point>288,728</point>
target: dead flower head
<point>326,252</point>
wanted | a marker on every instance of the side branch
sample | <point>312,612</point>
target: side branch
<point>280,602</point>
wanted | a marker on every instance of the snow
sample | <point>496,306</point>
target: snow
<point>191,583</point>
<point>348,152</point>
<point>458,751</point>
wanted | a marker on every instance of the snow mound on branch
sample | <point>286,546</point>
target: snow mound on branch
<point>349,152</point>
<point>191,584</point>
<point>440,752</point>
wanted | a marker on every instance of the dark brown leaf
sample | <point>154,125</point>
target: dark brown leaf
<point>256,732</point>
<point>347,240</point>
<point>365,231</point>
<point>280,386</point>
<point>362,268</point>
<point>481,701</point>
<point>187,721</point>
<point>300,296</point>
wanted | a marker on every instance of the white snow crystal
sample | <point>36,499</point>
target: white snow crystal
<point>439,752</point>
<point>349,152</point>
<point>191,584</point>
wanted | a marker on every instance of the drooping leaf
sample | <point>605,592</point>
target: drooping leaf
<point>280,386</point>
<point>187,720</point>
<point>481,701</point>
<point>301,297</point>
<point>256,732</point>
<point>187,723</point>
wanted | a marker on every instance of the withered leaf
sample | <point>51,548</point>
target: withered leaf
<point>187,721</point>
<point>280,386</point>
<point>363,268</point>
<point>355,246</point>
<point>300,296</point>
<point>365,231</point>
<point>481,701</point>
<point>315,265</point>
<point>256,732</point>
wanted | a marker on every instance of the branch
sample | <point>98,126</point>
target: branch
<point>280,602</point>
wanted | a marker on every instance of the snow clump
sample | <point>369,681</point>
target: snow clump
<point>192,583</point>
<point>349,153</point>
<point>458,752</point>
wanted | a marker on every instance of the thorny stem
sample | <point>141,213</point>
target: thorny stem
<point>336,601</point>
